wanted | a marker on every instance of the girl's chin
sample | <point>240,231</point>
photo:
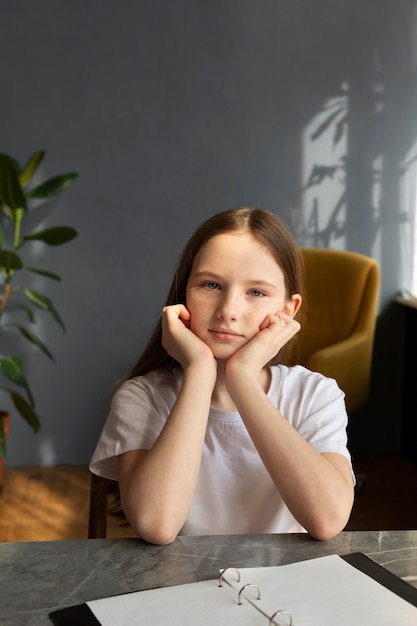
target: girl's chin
<point>224,354</point>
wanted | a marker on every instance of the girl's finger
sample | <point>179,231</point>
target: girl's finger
<point>177,311</point>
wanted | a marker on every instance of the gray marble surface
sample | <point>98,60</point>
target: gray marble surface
<point>38,577</point>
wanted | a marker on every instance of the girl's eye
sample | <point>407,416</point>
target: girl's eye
<point>256,292</point>
<point>211,285</point>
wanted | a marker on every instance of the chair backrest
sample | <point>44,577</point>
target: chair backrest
<point>97,522</point>
<point>340,301</point>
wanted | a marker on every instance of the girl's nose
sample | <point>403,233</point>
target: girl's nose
<point>228,307</point>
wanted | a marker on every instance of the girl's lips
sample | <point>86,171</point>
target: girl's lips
<point>224,334</point>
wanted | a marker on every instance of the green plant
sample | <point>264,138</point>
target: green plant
<point>17,301</point>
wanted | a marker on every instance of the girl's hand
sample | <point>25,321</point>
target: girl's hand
<point>275,331</point>
<point>179,341</point>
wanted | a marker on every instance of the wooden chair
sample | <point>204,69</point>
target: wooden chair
<point>97,522</point>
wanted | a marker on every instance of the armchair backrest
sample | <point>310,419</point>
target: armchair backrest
<point>340,302</point>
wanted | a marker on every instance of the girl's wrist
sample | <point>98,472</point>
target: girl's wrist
<point>240,375</point>
<point>202,369</point>
<point>239,368</point>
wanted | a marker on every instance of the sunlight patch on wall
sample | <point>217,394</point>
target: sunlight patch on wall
<point>377,170</point>
<point>47,452</point>
<point>324,150</point>
<point>408,227</point>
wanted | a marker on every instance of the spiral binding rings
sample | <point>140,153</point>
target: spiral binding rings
<point>228,569</point>
<point>236,572</point>
<point>280,612</point>
<point>245,587</point>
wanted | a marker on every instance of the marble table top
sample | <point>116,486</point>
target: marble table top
<point>38,577</point>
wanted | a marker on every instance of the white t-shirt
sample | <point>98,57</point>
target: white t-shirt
<point>234,494</point>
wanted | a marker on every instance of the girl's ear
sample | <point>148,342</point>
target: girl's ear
<point>293,305</point>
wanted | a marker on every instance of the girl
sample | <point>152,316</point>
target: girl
<point>211,433</point>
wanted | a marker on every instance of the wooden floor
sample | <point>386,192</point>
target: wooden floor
<point>48,503</point>
<point>52,503</point>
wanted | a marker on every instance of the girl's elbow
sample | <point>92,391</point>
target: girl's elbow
<point>327,528</point>
<point>154,530</point>
<point>324,532</point>
<point>157,535</point>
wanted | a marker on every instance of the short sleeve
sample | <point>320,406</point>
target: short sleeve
<point>137,414</point>
<point>315,406</point>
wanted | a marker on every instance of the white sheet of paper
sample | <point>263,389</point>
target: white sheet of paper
<point>192,604</point>
<point>319,592</point>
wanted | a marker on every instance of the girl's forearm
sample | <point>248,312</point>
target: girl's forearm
<point>157,486</point>
<point>317,488</point>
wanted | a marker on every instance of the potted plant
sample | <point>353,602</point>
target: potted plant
<point>19,302</point>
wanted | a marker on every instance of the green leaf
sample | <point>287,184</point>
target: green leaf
<point>52,186</point>
<point>2,239</point>
<point>25,410</point>
<point>18,305</point>
<point>44,303</point>
<point>36,270</point>
<point>10,190</point>
<point>53,236</point>
<point>6,210</point>
<point>30,168</point>
<point>35,340</point>
<point>12,367</point>
<point>10,260</point>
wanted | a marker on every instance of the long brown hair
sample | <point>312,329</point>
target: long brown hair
<point>269,230</point>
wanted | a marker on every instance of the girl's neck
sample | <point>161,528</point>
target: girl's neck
<point>221,399</point>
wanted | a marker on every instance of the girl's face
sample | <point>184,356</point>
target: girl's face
<point>234,285</point>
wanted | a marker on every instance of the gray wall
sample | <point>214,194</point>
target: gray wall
<point>171,111</point>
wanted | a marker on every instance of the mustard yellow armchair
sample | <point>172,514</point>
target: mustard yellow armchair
<point>338,318</point>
